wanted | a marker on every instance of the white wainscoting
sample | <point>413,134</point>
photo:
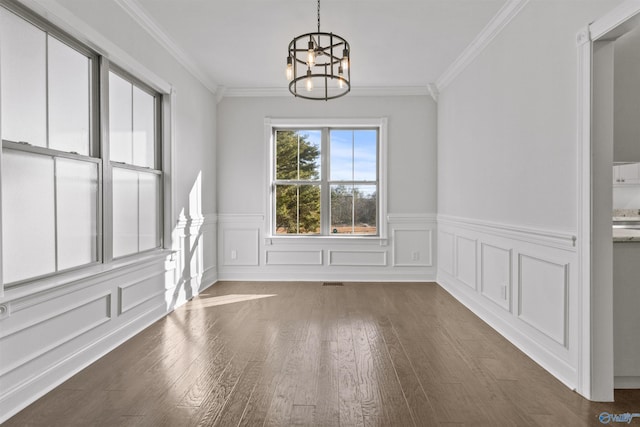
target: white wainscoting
<point>495,275</point>
<point>197,260</point>
<point>519,280</point>
<point>466,261</point>
<point>544,284</point>
<point>358,258</point>
<point>281,257</point>
<point>51,335</point>
<point>52,329</point>
<point>407,254</point>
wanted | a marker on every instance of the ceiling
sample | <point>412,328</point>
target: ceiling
<point>243,43</point>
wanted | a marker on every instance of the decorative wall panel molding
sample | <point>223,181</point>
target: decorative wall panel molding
<point>495,274</point>
<point>358,258</point>
<point>132,295</point>
<point>197,242</point>
<point>446,256</point>
<point>241,246</point>
<point>466,261</point>
<point>52,330</point>
<point>412,247</point>
<point>542,296</point>
<point>294,258</point>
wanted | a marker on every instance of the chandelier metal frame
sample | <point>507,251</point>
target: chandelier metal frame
<point>319,65</point>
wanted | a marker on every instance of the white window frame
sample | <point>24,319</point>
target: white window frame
<point>270,124</point>
<point>111,164</point>
<point>89,40</point>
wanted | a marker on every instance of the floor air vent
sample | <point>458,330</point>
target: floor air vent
<point>333,284</point>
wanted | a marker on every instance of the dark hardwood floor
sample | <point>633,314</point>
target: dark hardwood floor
<point>252,353</point>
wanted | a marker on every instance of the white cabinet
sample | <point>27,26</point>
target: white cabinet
<point>628,173</point>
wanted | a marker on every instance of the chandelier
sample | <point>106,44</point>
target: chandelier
<point>318,65</point>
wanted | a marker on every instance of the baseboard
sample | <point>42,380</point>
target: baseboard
<point>626,382</point>
<point>301,276</point>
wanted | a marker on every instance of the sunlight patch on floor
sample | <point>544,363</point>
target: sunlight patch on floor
<point>225,299</point>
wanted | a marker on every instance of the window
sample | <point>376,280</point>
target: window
<point>136,172</point>
<point>49,167</point>
<point>325,181</point>
<point>57,213</point>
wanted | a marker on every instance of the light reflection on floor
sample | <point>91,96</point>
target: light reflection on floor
<point>225,299</point>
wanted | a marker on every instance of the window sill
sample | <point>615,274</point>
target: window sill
<point>324,240</point>
<point>70,278</point>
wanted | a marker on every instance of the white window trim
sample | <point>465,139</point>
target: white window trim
<point>377,122</point>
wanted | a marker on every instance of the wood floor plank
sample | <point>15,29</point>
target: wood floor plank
<point>350,407</point>
<point>257,407</point>
<point>237,400</point>
<point>369,393</point>
<point>284,394</point>
<point>327,407</point>
<point>306,393</point>
<point>217,398</point>
<point>394,402</point>
<point>303,415</point>
<point>421,408</point>
<point>298,353</point>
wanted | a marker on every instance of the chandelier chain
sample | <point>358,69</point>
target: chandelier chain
<point>318,15</point>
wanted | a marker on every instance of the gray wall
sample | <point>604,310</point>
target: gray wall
<point>412,146</point>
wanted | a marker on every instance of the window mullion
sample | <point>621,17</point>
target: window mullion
<point>107,169</point>
<point>55,213</point>
<point>46,92</point>
<point>325,189</point>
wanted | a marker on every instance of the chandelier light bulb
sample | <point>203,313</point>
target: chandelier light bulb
<point>289,68</point>
<point>309,82</point>
<point>340,78</point>
<point>311,54</point>
<point>345,59</point>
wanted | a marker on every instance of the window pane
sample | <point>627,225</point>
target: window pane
<point>297,209</point>
<point>120,119</point>
<point>298,155</point>
<point>286,209</point>
<point>309,148</point>
<point>143,128</point>
<point>341,155</point>
<point>28,228</point>
<point>309,209</point>
<point>68,98</point>
<point>365,155</point>
<point>365,209</point>
<point>125,212</point>
<point>341,209</point>
<point>148,206</point>
<point>77,198</point>
<point>23,71</point>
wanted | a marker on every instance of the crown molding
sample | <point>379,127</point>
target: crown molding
<point>239,92</point>
<point>433,91</point>
<point>142,18</point>
<point>508,11</point>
